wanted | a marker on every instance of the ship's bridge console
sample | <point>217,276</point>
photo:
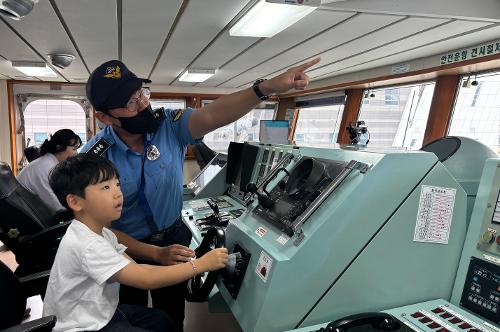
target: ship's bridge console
<point>322,234</point>
<point>474,304</point>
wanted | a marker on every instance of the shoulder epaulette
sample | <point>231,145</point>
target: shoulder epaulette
<point>177,114</point>
<point>99,147</point>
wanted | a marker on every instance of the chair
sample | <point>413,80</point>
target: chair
<point>13,294</point>
<point>28,227</point>
<point>31,153</point>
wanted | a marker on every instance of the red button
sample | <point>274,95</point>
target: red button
<point>425,320</point>
<point>443,330</point>
<point>446,315</point>
<point>434,325</point>
<point>465,326</point>
<point>437,310</point>
<point>455,320</point>
<point>417,314</point>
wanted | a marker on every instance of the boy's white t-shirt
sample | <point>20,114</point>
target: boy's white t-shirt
<point>79,293</point>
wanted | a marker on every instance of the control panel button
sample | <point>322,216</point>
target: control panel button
<point>417,314</point>
<point>455,320</point>
<point>488,237</point>
<point>465,326</point>
<point>443,330</point>
<point>434,325</point>
<point>425,320</point>
<point>446,315</point>
<point>437,310</point>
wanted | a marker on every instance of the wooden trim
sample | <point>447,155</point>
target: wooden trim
<point>12,126</point>
<point>441,107</point>
<point>177,95</point>
<point>293,126</point>
<point>350,114</point>
<point>190,101</point>
<point>489,62</point>
<point>283,106</point>
<point>25,82</point>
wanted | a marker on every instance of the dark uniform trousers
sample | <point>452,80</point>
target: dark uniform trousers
<point>170,299</point>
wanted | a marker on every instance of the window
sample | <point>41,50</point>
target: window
<point>44,117</point>
<point>397,116</point>
<point>245,129</point>
<point>477,111</point>
<point>392,96</point>
<point>40,138</point>
<point>168,103</point>
<point>318,126</point>
<point>83,137</point>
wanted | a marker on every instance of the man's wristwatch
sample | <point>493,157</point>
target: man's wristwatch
<point>257,91</point>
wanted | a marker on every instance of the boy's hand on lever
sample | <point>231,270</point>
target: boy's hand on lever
<point>174,254</point>
<point>213,260</point>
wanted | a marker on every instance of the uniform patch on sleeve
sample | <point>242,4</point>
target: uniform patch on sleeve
<point>99,147</point>
<point>159,113</point>
<point>177,114</point>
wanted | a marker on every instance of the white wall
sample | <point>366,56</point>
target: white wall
<point>4,124</point>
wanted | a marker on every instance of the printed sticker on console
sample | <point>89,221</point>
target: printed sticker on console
<point>264,266</point>
<point>283,239</point>
<point>435,211</point>
<point>261,231</point>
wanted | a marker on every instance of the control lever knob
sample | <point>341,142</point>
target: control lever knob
<point>252,187</point>
<point>264,200</point>
<point>213,206</point>
<point>234,262</point>
<point>282,185</point>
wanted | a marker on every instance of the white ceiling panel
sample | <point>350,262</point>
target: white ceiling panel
<point>222,50</point>
<point>200,23</point>
<point>43,30</point>
<point>312,24</point>
<point>442,32</point>
<point>435,48</point>
<point>143,35</point>
<point>350,30</point>
<point>13,48</point>
<point>401,29</point>
<point>93,24</point>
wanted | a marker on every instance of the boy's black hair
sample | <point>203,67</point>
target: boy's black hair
<point>76,173</point>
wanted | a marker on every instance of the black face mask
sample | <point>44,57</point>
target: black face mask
<point>144,122</point>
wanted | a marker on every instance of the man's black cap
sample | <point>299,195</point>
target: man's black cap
<point>111,85</point>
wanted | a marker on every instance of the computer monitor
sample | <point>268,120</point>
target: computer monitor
<point>274,131</point>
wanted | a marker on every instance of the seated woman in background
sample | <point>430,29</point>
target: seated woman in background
<point>35,176</point>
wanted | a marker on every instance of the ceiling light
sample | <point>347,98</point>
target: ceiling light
<point>61,60</point>
<point>34,68</point>
<point>196,75</point>
<point>268,17</point>
<point>16,9</point>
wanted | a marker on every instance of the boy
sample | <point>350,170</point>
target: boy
<point>90,264</point>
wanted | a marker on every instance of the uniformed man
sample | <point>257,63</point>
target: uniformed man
<point>148,148</point>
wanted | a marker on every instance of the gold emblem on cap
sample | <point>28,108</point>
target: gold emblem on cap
<point>113,72</point>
